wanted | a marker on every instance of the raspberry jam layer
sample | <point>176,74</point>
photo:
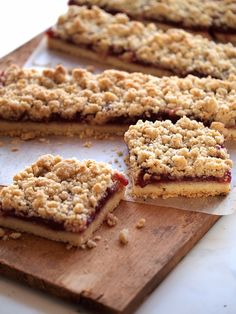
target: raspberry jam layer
<point>120,182</point>
<point>157,179</point>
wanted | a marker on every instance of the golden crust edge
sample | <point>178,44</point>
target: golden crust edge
<point>187,189</point>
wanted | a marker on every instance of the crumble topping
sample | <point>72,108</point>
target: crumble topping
<point>188,13</point>
<point>124,236</point>
<point>184,149</point>
<point>111,95</point>
<point>175,50</point>
<point>66,191</point>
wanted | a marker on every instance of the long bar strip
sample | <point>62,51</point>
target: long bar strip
<point>210,18</point>
<point>134,46</point>
<point>52,102</point>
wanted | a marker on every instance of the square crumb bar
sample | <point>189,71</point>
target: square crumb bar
<point>136,46</point>
<point>61,200</point>
<point>181,159</point>
<point>217,18</point>
<point>54,102</point>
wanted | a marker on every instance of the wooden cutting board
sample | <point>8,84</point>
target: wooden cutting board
<point>109,277</point>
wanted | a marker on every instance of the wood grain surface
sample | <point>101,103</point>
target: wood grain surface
<point>110,277</point>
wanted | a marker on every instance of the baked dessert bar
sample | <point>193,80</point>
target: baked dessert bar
<point>61,200</point>
<point>52,102</point>
<point>182,159</point>
<point>214,18</point>
<point>134,46</point>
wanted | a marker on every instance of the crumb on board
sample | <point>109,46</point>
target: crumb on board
<point>83,246</point>
<point>69,246</point>
<point>14,149</point>
<point>120,153</point>
<point>97,238</point>
<point>15,235</point>
<point>44,140</point>
<point>111,220</point>
<point>87,144</point>
<point>124,236</point>
<point>27,136</point>
<point>91,244</point>
<point>141,223</point>
<point>5,237</point>
<point>116,161</point>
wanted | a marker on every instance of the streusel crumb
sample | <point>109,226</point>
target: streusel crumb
<point>111,220</point>
<point>174,50</point>
<point>212,14</point>
<point>91,244</point>
<point>114,96</point>
<point>65,191</point>
<point>124,236</point>
<point>184,149</point>
<point>15,235</point>
<point>141,223</point>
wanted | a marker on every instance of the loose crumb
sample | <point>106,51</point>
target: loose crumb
<point>5,237</point>
<point>69,246</point>
<point>97,238</point>
<point>14,149</point>
<point>141,223</point>
<point>124,236</point>
<point>119,153</point>
<point>83,246</point>
<point>2,232</point>
<point>87,144</point>
<point>91,244</point>
<point>111,220</point>
<point>15,235</point>
<point>43,140</point>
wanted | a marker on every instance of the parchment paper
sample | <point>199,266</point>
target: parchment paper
<point>15,155</point>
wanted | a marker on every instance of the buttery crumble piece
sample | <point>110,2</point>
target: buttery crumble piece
<point>124,236</point>
<point>186,153</point>
<point>174,50</point>
<point>87,144</point>
<point>219,14</point>
<point>15,235</point>
<point>91,244</point>
<point>141,223</point>
<point>97,238</point>
<point>112,97</point>
<point>111,220</point>
<point>67,194</point>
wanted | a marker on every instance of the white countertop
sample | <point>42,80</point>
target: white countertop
<point>203,282</point>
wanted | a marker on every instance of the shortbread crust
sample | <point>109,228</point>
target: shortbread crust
<point>55,102</point>
<point>62,200</point>
<point>173,50</point>
<point>181,159</point>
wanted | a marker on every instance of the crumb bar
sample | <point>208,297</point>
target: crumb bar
<point>134,46</point>
<point>54,102</point>
<point>61,199</point>
<point>215,18</point>
<point>181,159</point>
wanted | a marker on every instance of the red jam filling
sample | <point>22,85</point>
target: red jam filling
<point>156,179</point>
<point>120,181</point>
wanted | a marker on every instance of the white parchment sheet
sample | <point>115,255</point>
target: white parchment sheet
<point>15,154</point>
